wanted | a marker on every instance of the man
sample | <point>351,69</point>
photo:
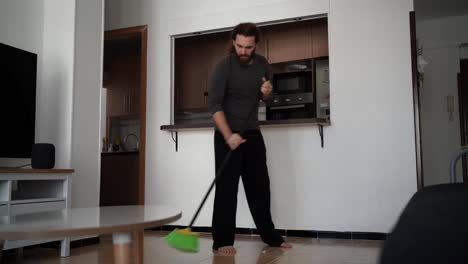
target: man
<point>236,85</point>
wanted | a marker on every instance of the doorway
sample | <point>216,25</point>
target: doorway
<point>124,90</point>
<point>440,30</point>
<point>463,108</point>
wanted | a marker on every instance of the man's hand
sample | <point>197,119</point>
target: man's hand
<point>266,87</point>
<point>234,141</point>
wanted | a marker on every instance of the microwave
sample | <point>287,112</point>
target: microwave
<point>292,82</point>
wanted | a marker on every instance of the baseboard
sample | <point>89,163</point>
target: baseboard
<point>294,233</point>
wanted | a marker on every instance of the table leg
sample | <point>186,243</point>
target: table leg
<point>138,236</point>
<point>1,249</point>
<point>122,248</point>
<point>65,247</point>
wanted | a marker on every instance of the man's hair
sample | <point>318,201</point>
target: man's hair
<point>246,29</point>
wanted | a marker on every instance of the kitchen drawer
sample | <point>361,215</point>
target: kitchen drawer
<point>37,207</point>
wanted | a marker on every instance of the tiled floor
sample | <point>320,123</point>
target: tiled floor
<point>250,249</point>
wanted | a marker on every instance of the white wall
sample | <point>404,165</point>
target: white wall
<point>86,158</point>
<point>440,136</point>
<point>365,174</point>
<point>55,98</point>
<point>21,26</point>
<point>68,90</point>
<point>46,28</point>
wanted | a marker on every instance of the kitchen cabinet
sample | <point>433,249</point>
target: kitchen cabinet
<point>122,63</point>
<point>194,62</point>
<point>285,42</point>
<point>119,178</point>
<point>123,86</point>
<point>191,74</point>
<point>319,32</point>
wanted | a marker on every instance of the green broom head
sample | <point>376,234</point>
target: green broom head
<point>183,239</point>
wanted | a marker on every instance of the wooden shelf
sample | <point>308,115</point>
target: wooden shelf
<point>267,123</point>
<point>319,122</point>
<point>36,200</point>
<point>12,170</point>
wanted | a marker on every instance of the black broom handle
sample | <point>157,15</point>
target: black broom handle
<point>221,168</point>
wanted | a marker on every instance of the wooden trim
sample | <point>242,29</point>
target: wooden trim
<point>125,32</point>
<point>143,80</point>
<point>416,104</point>
<point>37,171</point>
<point>462,93</point>
<point>142,33</point>
<point>461,110</point>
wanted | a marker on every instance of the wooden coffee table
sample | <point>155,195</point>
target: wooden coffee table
<point>125,223</point>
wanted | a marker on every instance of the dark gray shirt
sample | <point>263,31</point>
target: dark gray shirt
<point>234,88</point>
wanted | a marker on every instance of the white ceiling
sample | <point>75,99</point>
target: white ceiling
<point>429,9</point>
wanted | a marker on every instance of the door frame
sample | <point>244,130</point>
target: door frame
<point>142,33</point>
<point>462,79</point>
<point>416,103</point>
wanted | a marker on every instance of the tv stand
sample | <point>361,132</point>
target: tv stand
<point>24,191</point>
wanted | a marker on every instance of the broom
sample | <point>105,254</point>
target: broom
<point>184,239</point>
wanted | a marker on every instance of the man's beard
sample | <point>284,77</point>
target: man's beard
<point>246,59</point>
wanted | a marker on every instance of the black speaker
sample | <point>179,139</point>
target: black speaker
<point>43,156</point>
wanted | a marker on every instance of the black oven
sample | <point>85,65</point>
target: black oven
<point>291,106</point>
<point>293,96</point>
<point>292,82</point>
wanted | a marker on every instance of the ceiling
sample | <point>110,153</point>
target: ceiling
<point>429,9</point>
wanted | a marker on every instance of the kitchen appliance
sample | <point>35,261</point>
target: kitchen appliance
<point>293,91</point>
<point>292,82</point>
<point>291,106</point>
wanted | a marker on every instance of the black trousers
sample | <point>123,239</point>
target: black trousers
<point>248,161</point>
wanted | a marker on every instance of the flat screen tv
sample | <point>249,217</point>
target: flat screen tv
<point>17,101</point>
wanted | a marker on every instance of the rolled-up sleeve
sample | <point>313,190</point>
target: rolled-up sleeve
<point>217,87</point>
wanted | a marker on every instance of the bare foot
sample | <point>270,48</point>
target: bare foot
<point>227,250</point>
<point>285,245</point>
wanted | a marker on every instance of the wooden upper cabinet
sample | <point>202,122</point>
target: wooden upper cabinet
<point>261,47</point>
<point>195,58</point>
<point>190,74</point>
<point>319,37</point>
<point>123,64</point>
<point>123,86</point>
<point>133,91</point>
<point>288,42</point>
